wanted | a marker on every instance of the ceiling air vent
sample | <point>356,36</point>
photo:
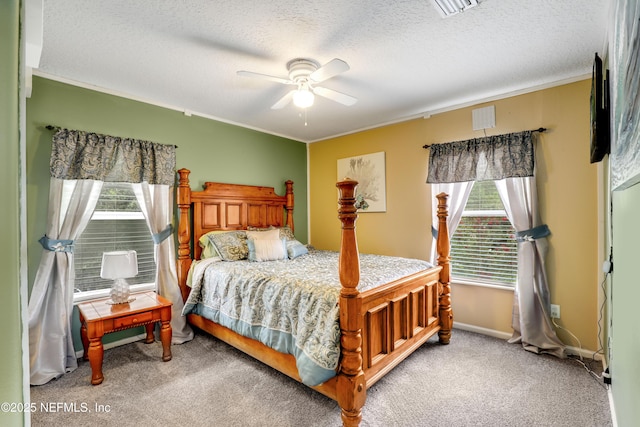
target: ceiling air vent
<point>453,7</point>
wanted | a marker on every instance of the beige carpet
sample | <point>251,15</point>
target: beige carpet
<point>474,381</point>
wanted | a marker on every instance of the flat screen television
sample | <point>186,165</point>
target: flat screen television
<point>600,142</point>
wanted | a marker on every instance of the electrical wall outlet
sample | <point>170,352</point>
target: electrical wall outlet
<point>555,311</point>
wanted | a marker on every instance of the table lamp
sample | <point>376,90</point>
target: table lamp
<point>118,266</point>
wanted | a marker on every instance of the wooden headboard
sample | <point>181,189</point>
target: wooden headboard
<point>225,207</point>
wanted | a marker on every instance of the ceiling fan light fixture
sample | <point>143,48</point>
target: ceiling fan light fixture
<point>303,98</point>
<point>306,75</point>
<point>448,8</point>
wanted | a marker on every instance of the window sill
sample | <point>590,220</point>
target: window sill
<point>482,285</point>
<point>103,293</point>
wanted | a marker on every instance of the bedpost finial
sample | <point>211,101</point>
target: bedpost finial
<point>347,212</point>
<point>347,188</point>
<point>442,204</point>
<point>183,176</point>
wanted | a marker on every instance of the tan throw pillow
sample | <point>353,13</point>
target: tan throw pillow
<point>273,234</point>
<point>267,250</point>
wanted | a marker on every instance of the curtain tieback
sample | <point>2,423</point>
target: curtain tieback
<point>161,236</point>
<point>533,233</point>
<point>55,245</point>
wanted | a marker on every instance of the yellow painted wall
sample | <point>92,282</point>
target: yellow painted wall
<point>567,185</point>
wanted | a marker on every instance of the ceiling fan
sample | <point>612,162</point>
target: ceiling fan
<point>306,74</point>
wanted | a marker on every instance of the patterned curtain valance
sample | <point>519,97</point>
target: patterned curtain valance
<point>85,155</point>
<point>482,159</point>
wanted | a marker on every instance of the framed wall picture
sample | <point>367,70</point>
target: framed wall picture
<point>625,59</point>
<point>369,171</point>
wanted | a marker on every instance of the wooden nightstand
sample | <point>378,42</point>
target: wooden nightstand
<point>98,317</point>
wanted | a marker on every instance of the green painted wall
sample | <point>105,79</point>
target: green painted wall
<point>212,150</point>
<point>624,284</point>
<point>11,389</point>
<point>625,294</point>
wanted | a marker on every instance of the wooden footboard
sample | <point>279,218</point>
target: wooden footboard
<point>397,321</point>
<point>382,326</point>
<point>379,327</point>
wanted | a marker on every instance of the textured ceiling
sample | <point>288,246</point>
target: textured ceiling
<point>406,61</point>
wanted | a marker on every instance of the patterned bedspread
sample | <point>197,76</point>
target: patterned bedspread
<point>289,305</point>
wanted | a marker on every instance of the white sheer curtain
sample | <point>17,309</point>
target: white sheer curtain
<point>531,321</point>
<point>458,195</point>
<point>51,351</point>
<point>156,202</point>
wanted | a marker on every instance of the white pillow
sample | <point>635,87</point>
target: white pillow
<point>267,249</point>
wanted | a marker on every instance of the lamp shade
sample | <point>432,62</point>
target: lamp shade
<point>119,264</point>
<point>303,98</point>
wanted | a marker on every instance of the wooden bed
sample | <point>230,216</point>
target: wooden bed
<point>379,327</point>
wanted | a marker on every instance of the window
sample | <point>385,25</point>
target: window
<point>483,247</point>
<point>116,224</point>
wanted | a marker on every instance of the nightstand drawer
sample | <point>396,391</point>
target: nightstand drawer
<point>132,320</point>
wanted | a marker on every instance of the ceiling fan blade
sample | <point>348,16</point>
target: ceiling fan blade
<point>265,76</point>
<point>334,95</point>
<point>328,70</point>
<point>284,101</point>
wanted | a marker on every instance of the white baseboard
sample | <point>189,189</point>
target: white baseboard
<point>506,335</point>
<point>484,331</point>
<point>614,420</point>
<point>118,343</point>
<point>589,354</point>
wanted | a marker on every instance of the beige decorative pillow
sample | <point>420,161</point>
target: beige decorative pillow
<point>285,232</point>
<point>267,249</point>
<point>273,234</point>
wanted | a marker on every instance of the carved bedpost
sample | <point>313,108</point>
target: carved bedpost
<point>289,206</point>
<point>351,389</point>
<point>184,231</point>
<point>443,247</point>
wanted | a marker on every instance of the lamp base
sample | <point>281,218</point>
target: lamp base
<point>112,302</point>
<point>120,292</point>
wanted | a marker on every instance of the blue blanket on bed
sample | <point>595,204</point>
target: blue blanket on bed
<point>289,305</point>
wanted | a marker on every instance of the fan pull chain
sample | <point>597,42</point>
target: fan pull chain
<point>305,115</point>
